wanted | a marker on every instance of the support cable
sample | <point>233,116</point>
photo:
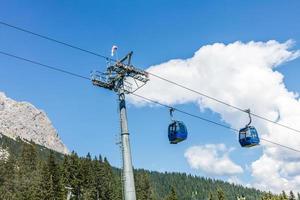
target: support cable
<point>44,66</point>
<point>223,102</point>
<point>53,40</point>
<point>210,121</point>
<point>160,77</point>
<point>145,98</point>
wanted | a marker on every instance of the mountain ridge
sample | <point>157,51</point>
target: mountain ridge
<point>23,120</point>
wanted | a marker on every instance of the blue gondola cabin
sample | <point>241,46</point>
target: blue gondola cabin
<point>248,136</point>
<point>177,132</point>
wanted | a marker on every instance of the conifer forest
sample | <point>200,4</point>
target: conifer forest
<point>32,172</point>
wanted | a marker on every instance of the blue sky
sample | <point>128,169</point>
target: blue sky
<point>157,31</point>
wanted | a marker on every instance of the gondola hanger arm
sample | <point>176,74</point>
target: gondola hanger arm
<point>249,113</point>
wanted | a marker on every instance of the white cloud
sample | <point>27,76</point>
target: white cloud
<point>212,159</point>
<point>266,172</point>
<point>241,74</point>
<point>235,180</point>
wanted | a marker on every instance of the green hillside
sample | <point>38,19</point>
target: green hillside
<point>15,148</point>
<point>193,187</point>
<point>33,172</point>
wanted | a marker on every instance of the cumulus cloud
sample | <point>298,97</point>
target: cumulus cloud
<point>212,159</point>
<point>241,74</point>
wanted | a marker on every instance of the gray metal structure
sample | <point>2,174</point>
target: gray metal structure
<point>69,195</point>
<point>120,78</point>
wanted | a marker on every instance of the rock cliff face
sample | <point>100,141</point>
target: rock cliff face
<point>22,119</point>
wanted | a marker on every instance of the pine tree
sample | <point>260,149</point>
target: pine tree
<point>298,195</point>
<point>283,195</point>
<point>143,188</point>
<point>88,182</point>
<point>109,181</point>
<point>28,161</point>
<point>71,173</point>
<point>172,195</point>
<point>27,176</point>
<point>47,185</point>
<point>292,196</point>
<point>55,173</point>
<point>210,196</point>
<point>7,178</point>
<point>220,194</point>
<point>98,177</point>
<point>268,196</point>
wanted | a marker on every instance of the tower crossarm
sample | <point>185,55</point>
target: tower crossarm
<point>119,71</point>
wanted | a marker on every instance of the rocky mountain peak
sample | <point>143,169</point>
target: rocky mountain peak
<point>22,119</point>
